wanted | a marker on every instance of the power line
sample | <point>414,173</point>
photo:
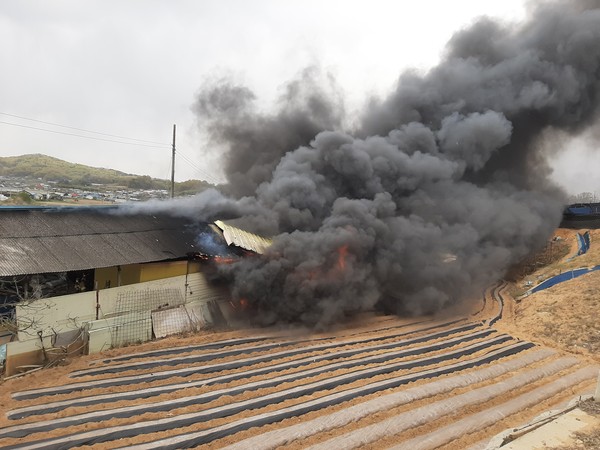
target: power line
<point>143,143</point>
<point>82,129</point>
<point>205,175</point>
<point>82,136</point>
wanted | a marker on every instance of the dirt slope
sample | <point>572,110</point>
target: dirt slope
<point>564,316</point>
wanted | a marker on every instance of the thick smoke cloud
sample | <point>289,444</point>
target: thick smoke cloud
<point>256,142</point>
<point>440,188</point>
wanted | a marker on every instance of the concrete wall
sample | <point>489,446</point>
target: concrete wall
<point>96,313</point>
<point>55,315</point>
<point>23,353</point>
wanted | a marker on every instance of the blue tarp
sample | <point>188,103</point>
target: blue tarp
<point>563,277</point>
<point>582,209</point>
<point>583,241</point>
<point>579,210</point>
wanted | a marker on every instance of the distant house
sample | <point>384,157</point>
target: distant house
<point>37,194</point>
<point>96,277</point>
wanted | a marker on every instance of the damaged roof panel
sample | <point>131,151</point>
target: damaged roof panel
<point>243,239</point>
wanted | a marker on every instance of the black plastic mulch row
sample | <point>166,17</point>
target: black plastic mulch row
<point>191,359</point>
<point>126,431</point>
<point>231,342</point>
<point>207,436</point>
<point>498,297</point>
<point>136,379</point>
<point>183,349</point>
<point>213,395</point>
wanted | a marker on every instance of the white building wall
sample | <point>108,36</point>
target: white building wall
<point>58,315</point>
<point>55,315</point>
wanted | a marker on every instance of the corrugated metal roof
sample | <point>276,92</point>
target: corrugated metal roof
<point>59,240</point>
<point>244,239</point>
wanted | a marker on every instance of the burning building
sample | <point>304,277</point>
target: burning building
<point>452,162</point>
<point>85,279</point>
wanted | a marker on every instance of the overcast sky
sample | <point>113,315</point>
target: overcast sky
<point>131,68</point>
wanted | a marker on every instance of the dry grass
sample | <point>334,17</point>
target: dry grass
<point>565,315</point>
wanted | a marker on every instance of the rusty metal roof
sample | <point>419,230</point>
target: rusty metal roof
<point>38,240</point>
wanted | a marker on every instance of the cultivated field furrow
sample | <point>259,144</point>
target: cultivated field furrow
<point>418,384</point>
<point>304,389</point>
<point>416,417</point>
<point>380,357</point>
<point>386,332</point>
<point>194,359</point>
<point>137,428</point>
<point>230,365</point>
<point>183,349</point>
<point>303,430</point>
<point>496,414</point>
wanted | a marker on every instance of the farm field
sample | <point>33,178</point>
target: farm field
<point>447,382</point>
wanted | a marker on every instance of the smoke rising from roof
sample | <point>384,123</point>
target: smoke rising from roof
<point>257,142</point>
<point>433,195</point>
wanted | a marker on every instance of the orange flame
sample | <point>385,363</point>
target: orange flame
<point>239,305</point>
<point>224,260</point>
<point>342,254</point>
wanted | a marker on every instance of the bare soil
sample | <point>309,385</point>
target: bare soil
<point>563,317</point>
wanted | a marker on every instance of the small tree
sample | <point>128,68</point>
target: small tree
<point>22,198</point>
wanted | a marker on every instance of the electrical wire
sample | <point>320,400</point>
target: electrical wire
<point>192,164</point>
<point>205,175</point>
<point>82,136</point>
<point>82,129</point>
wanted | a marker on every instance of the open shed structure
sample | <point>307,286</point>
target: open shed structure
<point>86,279</point>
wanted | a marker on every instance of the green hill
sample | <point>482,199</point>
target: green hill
<point>49,169</point>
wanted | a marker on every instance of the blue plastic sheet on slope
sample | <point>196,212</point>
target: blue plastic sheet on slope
<point>563,277</point>
<point>583,241</point>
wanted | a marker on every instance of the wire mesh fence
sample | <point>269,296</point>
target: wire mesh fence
<point>134,311</point>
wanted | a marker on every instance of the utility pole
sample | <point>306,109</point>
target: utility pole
<point>173,165</point>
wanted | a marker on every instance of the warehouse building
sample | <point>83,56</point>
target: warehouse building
<point>86,279</point>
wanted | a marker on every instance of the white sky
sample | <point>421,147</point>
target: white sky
<point>132,67</point>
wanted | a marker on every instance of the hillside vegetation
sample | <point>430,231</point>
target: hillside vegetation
<point>68,174</point>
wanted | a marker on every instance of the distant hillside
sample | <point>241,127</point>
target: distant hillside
<point>78,175</point>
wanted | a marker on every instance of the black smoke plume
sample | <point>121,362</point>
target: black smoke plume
<point>433,195</point>
<point>257,142</point>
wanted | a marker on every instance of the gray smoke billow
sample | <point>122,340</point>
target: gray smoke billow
<point>257,142</point>
<point>432,196</point>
